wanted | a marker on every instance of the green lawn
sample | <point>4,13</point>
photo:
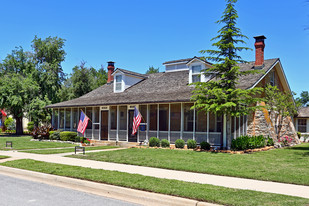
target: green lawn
<point>23,142</point>
<point>57,151</point>
<point>202,192</point>
<point>289,165</point>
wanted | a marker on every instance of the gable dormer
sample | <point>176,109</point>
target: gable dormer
<point>124,79</point>
<point>196,67</point>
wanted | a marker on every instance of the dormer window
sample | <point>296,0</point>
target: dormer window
<point>196,73</point>
<point>118,83</point>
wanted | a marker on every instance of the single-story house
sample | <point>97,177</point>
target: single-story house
<point>164,102</point>
<point>302,120</point>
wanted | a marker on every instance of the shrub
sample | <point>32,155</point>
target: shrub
<point>247,142</point>
<point>299,134</point>
<point>180,143</point>
<point>54,135</point>
<point>41,132</point>
<point>154,142</point>
<point>77,139</point>
<point>270,141</point>
<point>191,144</point>
<point>30,126</point>
<point>205,145</point>
<point>82,139</point>
<point>86,141</point>
<point>165,143</point>
<point>68,136</point>
<point>0,130</point>
<point>9,123</point>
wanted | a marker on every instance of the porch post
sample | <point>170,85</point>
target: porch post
<point>109,124</point>
<point>194,122</point>
<point>118,114</point>
<point>93,125</point>
<point>182,121</point>
<point>158,120</point>
<point>169,122</point>
<point>71,120</point>
<point>243,124</point>
<point>64,118</point>
<point>208,127</point>
<point>235,127</point>
<point>100,123</point>
<point>127,123</point>
<point>58,124</point>
<point>238,126</point>
<point>224,130</point>
<point>53,118</point>
<point>148,117</point>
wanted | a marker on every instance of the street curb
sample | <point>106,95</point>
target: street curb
<point>111,191</point>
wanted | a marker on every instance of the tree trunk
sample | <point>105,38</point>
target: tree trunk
<point>19,125</point>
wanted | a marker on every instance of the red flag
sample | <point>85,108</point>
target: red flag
<point>3,112</point>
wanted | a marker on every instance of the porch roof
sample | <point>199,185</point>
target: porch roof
<point>157,88</point>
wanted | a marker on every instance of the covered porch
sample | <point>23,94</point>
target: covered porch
<point>169,121</point>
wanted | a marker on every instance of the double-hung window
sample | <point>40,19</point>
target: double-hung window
<point>196,73</point>
<point>118,83</point>
<point>302,125</point>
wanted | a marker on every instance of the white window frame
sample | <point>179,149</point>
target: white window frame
<point>117,83</point>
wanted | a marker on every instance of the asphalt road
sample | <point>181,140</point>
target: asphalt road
<point>15,192</point>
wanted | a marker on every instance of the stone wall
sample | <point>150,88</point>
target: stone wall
<point>261,123</point>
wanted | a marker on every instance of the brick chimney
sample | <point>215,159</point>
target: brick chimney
<point>110,69</point>
<point>259,50</point>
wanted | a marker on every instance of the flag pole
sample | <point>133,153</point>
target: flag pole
<point>86,115</point>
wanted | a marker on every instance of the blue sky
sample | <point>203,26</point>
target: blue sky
<point>137,34</point>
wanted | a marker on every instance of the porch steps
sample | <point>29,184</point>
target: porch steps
<point>114,143</point>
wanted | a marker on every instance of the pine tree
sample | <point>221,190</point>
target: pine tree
<point>221,95</point>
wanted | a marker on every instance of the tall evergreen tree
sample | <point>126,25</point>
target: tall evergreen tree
<point>221,95</point>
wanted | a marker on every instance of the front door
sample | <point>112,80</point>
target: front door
<point>104,125</point>
<point>131,138</point>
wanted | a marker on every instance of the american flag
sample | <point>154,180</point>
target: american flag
<point>83,122</point>
<point>136,120</point>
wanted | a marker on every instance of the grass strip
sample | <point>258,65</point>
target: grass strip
<point>201,192</point>
<point>57,151</point>
<point>279,165</point>
<point>23,142</point>
<point>3,157</point>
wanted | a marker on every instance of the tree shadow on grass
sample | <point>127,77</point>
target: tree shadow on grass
<point>305,148</point>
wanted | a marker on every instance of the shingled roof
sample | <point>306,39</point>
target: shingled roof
<point>156,88</point>
<point>131,73</point>
<point>303,112</point>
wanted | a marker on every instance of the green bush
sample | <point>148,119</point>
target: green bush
<point>299,134</point>
<point>9,123</point>
<point>270,141</point>
<point>86,141</point>
<point>191,144</point>
<point>82,139</point>
<point>54,135</point>
<point>165,143</point>
<point>179,143</point>
<point>205,145</point>
<point>30,126</point>
<point>0,130</point>
<point>77,139</point>
<point>68,136</point>
<point>154,142</point>
<point>247,142</point>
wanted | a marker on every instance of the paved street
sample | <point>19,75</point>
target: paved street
<point>15,191</point>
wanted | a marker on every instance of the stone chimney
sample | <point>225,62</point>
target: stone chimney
<point>259,50</point>
<point>110,69</point>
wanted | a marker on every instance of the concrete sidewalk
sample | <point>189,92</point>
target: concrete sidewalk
<point>231,182</point>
